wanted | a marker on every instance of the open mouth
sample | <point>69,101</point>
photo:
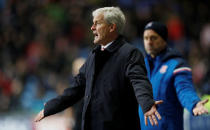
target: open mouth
<point>95,34</point>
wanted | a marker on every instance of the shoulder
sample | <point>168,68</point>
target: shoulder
<point>128,48</point>
<point>182,66</point>
<point>131,54</point>
<point>174,60</point>
<point>172,56</point>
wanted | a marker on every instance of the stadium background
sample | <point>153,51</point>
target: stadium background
<point>41,42</point>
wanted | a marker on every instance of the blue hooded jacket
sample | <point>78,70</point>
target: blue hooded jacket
<point>171,80</point>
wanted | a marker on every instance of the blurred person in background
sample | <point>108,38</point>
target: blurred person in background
<point>113,81</point>
<point>171,79</point>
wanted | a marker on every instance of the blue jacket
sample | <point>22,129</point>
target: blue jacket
<point>171,80</point>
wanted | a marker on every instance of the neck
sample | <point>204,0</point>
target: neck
<point>111,38</point>
<point>158,53</point>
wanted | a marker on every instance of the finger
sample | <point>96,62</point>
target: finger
<point>194,112</point>
<point>158,115</point>
<point>38,118</point>
<point>145,120</point>
<point>154,119</point>
<point>204,101</point>
<point>158,102</point>
<point>151,121</point>
<point>204,111</point>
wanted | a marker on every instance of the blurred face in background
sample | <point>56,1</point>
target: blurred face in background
<point>153,43</point>
<point>101,30</point>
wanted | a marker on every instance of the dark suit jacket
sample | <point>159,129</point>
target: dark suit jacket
<point>113,83</point>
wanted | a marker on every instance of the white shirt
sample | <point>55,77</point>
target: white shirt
<point>104,47</point>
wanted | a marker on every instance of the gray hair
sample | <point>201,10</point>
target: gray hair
<point>112,15</point>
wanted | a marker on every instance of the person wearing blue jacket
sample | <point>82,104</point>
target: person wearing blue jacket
<point>171,80</point>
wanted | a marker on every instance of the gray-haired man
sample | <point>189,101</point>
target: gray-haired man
<point>112,81</point>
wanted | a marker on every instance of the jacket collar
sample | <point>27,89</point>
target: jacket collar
<point>165,54</point>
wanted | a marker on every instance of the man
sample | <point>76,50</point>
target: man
<point>171,80</point>
<point>112,80</point>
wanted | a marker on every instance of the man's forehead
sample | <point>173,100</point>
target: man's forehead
<point>150,32</point>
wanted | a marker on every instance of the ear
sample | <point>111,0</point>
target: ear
<point>113,27</point>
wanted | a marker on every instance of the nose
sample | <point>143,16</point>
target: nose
<point>93,27</point>
<point>148,41</point>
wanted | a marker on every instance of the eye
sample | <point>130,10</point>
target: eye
<point>145,38</point>
<point>95,23</point>
<point>99,23</point>
<point>153,38</point>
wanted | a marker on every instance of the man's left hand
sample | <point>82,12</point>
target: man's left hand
<point>199,109</point>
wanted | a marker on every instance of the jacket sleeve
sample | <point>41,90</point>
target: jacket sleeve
<point>184,88</point>
<point>137,75</point>
<point>70,95</point>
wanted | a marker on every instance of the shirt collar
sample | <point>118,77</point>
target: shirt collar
<point>104,47</point>
<point>114,45</point>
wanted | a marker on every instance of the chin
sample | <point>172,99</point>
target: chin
<point>95,42</point>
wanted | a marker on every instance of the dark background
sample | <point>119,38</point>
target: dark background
<point>40,39</point>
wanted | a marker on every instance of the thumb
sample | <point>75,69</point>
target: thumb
<point>158,102</point>
<point>204,101</point>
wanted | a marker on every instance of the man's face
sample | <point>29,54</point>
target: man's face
<point>153,43</point>
<point>101,30</point>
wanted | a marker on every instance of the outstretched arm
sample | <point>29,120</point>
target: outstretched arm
<point>69,97</point>
<point>185,90</point>
<point>137,74</point>
<point>152,114</point>
<point>199,108</point>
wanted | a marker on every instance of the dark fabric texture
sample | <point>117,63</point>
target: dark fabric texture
<point>113,83</point>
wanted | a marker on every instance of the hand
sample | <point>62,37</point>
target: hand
<point>199,109</point>
<point>40,116</point>
<point>152,114</point>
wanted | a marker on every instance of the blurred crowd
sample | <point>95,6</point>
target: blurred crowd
<point>40,40</point>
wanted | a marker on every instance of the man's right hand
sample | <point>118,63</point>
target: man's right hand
<point>152,114</point>
<point>40,116</point>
